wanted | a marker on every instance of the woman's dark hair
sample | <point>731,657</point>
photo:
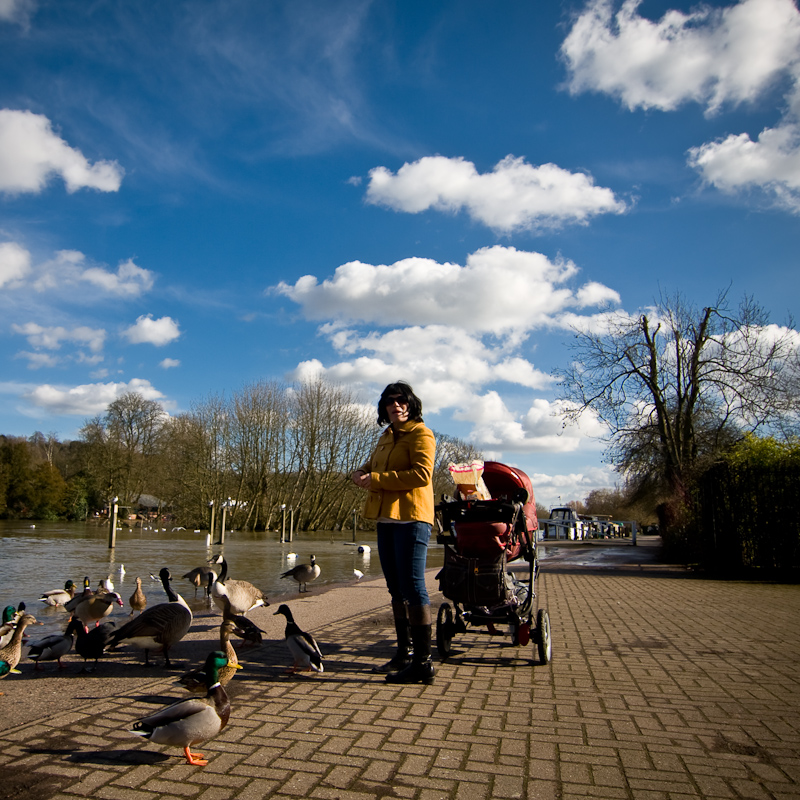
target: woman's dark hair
<point>403,389</point>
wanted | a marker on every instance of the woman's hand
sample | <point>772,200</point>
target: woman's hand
<point>362,479</point>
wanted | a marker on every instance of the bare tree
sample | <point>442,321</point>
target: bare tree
<point>675,386</point>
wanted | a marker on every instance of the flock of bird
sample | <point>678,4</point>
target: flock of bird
<point>157,629</point>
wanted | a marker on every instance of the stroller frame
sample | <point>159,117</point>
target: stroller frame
<point>490,565</point>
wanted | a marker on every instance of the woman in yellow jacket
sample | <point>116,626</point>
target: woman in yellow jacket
<point>399,481</point>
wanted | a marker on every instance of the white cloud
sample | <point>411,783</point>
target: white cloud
<point>539,429</point>
<point>15,263</point>
<point>17,11</point>
<point>88,399</point>
<point>39,360</point>
<point>31,152</point>
<point>169,363</point>
<point>147,330</point>
<point>128,281</point>
<point>772,162</point>
<point>709,56</point>
<point>514,195</point>
<point>557,489</point>
<point>500,290</point>
<point>51,338</point>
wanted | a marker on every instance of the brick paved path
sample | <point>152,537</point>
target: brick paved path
<point>661,686</point>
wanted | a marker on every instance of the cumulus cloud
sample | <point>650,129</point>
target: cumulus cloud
<point>499,290</point>
<point>87,399</point>
<point>708,56</point>
<point>538,429</point>
<point>51,338</point>
<point>70,269</point>
<point>561,488</point>
<point>31,153</point>
<point>15,264</point>
<point>514,195</point>
<point>128,281</point>
<point>169,363</point>
<point>771,163</point>
<point>147,330</point>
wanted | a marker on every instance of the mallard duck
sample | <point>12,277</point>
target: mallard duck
<point>245,628</point>
<point>243,595</point>
<point>12,652</point>
<point>199,576</point>
<point>194,720</point>
<point>91,644</point>
<point>58,597</point>
<point>159,627</point>
<point>302,645</point>
<point>138,601</point>
<point>194,680</point>
<point>304,573</point>
<point>95,607</point>
<point>52,648</point>
<point>9,623</point>
<point>70,605</point>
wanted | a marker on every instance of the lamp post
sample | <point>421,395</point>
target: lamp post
<point>210,535</point>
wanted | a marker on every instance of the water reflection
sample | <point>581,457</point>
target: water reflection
<point>40,557</point>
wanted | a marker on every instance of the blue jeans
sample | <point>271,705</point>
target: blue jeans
<point>403,551</point>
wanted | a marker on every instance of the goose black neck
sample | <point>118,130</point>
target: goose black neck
<point>173,598</point>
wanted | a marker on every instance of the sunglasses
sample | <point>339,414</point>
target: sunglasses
<point>398,398</point>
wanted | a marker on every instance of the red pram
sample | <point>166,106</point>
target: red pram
<point>481,538</point>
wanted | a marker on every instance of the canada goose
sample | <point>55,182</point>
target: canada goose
<point>12,652</point>
<point>199,577</point>
<point>303,647</point>
<point>52,648</point>
<point>95,607</point>
<point>304,573</point>
<point>194,680</point>
<point>243,595</point>
<point>137,601</point>
<point>158,627</point>
<point>58,597</point>
<point>194,720</point>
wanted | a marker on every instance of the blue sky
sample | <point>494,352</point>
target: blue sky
<point>198,195</point>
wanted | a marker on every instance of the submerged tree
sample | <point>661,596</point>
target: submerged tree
<point>676,386</point>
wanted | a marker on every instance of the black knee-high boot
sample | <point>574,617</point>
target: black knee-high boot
<point>420,670</point>
<point>402,658</point>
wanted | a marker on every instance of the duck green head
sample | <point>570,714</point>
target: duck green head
<point>69,585</point>
<point>215,661</point>
<point>8,613</point>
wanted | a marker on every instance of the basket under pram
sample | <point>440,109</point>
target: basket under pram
<point>490,563</point>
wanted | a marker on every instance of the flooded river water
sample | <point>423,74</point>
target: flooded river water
<point>37,557</point>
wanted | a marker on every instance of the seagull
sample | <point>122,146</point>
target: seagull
<point>358,573</point>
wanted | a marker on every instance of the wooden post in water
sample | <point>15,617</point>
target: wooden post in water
<point>222,530</point>
<point>283,522</point>
<point>210,537</point>
<point>112,523</point>
<point>355,524</point>
<point>291,523</point>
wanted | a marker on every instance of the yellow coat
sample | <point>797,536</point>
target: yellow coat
<point>401,471</point>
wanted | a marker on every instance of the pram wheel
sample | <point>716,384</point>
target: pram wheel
<point>544,643</point>
<point>445,630</point>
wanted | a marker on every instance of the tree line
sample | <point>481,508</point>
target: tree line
<point>266,446</point>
